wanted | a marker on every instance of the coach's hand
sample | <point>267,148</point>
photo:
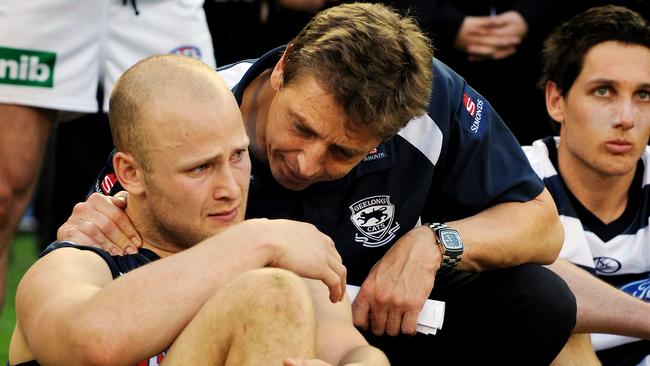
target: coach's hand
<point>396,288</point>
<point>102,222</point>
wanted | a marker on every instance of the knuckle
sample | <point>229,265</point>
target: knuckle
<point>95,198</point>
<point>384,297</point>
<point>408,328</point>
<point>344,272</point>
<point>79,208</point>
<point>65,232</point>
<point>89,229</point>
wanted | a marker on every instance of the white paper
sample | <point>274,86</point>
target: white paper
<point>430,318</point>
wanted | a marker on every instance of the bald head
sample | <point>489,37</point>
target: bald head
<point>144,89</point>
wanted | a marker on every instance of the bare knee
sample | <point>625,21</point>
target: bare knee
<point>271,317</point>
<point>23,136</point>
<point>277,291</point>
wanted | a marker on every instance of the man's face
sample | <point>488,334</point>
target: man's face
<point>605,116</point>
<point>198,179</point>
<point>306,136</point>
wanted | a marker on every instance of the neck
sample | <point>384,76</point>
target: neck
<point>603,195</point>
<point>150,239</point>
<point>254,108</point>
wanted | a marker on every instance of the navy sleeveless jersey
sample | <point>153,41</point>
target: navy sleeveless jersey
<point>119,265</point>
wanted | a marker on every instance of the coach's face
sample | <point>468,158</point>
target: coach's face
<point>307,134</point>
<point>605,116</point>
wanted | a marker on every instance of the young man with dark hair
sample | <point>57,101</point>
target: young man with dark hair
<point>348,132</point>
<point>597,83</point>
<point>197,292</point>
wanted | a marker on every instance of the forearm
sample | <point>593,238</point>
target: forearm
<point>135,316</point>
<point>510,234</point>
<point>601,307</point>
<point>160,299</point>
<point>365,355</point>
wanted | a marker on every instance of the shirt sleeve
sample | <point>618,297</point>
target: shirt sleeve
<point>481,163</point>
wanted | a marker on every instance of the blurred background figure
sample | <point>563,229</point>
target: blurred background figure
<point>57,59</point>
<point>495,46</point>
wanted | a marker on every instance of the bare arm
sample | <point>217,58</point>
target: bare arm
<point>601,307</point>
<point>72,313</point>
<point>510,234</point>
<point>337,340</point>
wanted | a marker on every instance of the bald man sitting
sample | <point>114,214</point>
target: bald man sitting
<point>198,291</point>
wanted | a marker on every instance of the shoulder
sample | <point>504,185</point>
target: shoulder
<point>58,277</point>
<point>425,135</point>
<point>539,157</point>
<point>64,260</point>
<point>232,73</point>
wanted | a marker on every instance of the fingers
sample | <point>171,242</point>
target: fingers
<point>378,318</point>
<point>96,222</point>
<point>394,322</point>
<point>335,278</point>
<point>336,264</point>
<point>494,41</point>
<point>360,311</point>
<point>394,319</point>
<point>119,199</point>
<point>410,322</point>
<point>119,217</point>
<point>106,225</point>
<point>503,53</point>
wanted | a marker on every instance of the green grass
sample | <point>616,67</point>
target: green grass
<point>23,254</point>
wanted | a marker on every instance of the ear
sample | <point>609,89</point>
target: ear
<point>554,102</point>
<point>129,172</point>
<point>277,76</point>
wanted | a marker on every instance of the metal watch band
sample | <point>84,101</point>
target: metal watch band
<point>435,226</point>
<point>447,261</point>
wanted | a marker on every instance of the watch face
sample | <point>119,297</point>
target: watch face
<point>451,239</point>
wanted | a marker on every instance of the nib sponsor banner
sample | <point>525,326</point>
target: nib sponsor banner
<point>27,67</point>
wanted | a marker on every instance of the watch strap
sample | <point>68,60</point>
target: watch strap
<point>447,260</point>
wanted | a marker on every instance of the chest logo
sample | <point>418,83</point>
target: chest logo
<point>374,219</point>
<point>606,265</point>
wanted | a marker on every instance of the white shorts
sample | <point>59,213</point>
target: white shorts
<point>55,53</point>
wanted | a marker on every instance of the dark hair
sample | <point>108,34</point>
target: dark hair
<point>565,49</point>
<point>376,64</point>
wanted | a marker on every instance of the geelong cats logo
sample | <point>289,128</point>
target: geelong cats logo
<point>373,218</point>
